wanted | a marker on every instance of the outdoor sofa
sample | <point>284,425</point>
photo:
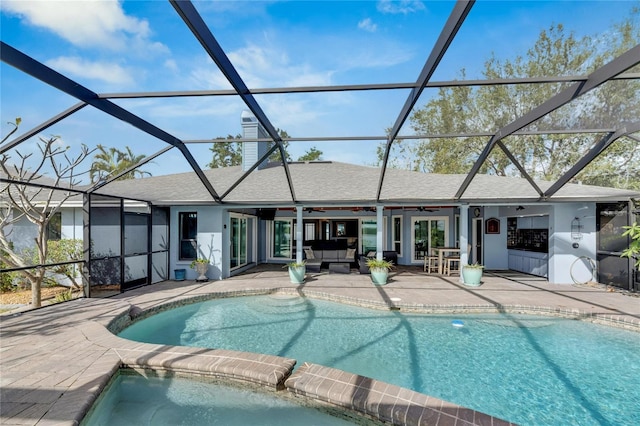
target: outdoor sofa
<point>326,252</point>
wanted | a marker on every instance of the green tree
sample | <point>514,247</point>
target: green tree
<point>312,154</point>
<point>544,156</point>
<point>109,162</point>
<point>275,155</point>
<point>228,152</point>
<point>59,251</point>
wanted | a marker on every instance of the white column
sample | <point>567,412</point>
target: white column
<point>299,233</point>
<point>379,232</point>
<point>464,237</point>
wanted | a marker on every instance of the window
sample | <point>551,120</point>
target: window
<point>397,234</point>
<point>54,227</point>
<point>188,235</point>
<point>309,231</point>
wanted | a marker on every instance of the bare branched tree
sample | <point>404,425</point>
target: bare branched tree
<point>24,197</point>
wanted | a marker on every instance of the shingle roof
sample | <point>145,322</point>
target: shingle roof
<point>342,183</point>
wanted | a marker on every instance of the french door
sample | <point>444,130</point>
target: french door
<point>428,232</point>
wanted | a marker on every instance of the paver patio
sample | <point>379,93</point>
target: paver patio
<point>54,361</point>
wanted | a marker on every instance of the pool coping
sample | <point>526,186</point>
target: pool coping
<point>612,320</point>
<point>35,393</point>
<point>364,396</point>
<point>369,397</point>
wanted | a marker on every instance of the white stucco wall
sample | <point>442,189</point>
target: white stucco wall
<point>210,241</point>
<point>24,232</point>
<point>564,259</point>
<point>72,224</point>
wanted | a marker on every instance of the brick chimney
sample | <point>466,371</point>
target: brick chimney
<point>252,151</point>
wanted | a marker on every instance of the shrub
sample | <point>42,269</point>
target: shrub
<point>64,296</point>
<point>6,278</point>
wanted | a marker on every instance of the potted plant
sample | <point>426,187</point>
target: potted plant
<point>297,271</point>
<point>201,266</point>
<point>472,274</point>
<point>379,269</point>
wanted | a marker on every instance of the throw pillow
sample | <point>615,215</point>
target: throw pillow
<point>371,254</point>
<point>309,254</point>
<point>351,254</point>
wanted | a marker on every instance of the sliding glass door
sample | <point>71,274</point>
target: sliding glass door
<point>282,244</point>
<point>238,241</point>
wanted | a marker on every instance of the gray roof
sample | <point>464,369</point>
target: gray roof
<point>347,184</point>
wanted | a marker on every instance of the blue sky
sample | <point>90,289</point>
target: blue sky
<point>133,46</point>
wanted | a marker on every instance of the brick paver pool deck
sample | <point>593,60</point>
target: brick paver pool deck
<point>55,361</point>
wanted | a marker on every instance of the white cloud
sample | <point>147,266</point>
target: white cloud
<point>403,6</point>
<point>208,76</point>
<point>103,71</point>
<point>260,67</point>
<point>86,23</point>
<point>293,114</point>
<point>371,58</point>
<point>171,65</point>
<point>367,25</point>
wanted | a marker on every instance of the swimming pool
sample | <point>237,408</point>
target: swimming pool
<point>525,369</point>
<point>132,399</point>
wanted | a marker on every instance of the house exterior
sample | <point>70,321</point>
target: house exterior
<point>499,222</point>
<point>258,224</point>
<point>141,231</point>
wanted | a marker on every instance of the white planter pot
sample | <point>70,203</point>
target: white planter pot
<point>379,276</point>
<point>201,269</point>
<point>471,276</point>
<point>296,274</point>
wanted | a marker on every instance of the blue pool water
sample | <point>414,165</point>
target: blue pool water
<point>136,400</point>
<point>529,370</point>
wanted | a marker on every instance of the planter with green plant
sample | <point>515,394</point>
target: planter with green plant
<point>472,274</point>
<point>297,271</point>
<point>379,269</point>
<point>201,266</point>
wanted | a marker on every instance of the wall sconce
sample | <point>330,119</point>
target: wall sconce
<point>576,229</point>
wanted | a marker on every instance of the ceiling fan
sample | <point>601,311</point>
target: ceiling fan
<point>311,210</point>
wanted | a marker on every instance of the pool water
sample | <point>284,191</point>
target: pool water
<point>529,370</point>
<point>136,400</point>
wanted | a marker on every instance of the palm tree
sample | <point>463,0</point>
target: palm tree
<point>110,162</point>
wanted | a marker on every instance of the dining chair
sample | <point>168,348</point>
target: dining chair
<point>451,264</point>
<point>431,262</point>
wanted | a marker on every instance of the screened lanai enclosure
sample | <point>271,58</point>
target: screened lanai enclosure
<point>171,84</point>
<point>129,244</point>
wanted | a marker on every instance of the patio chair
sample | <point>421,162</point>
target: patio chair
<point>431,262</point>
<point>451,264</point>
